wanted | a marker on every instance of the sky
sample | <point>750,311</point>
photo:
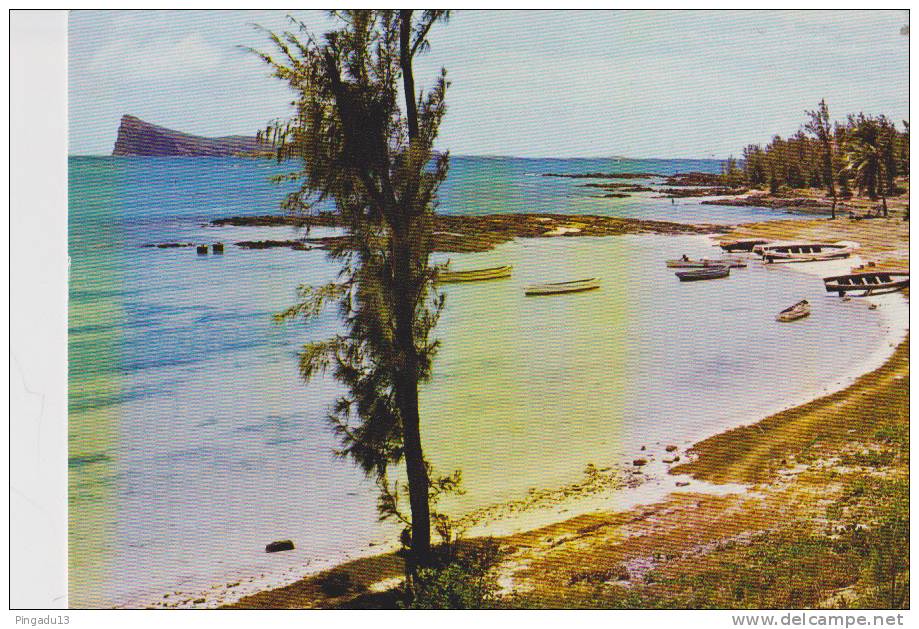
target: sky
<point>529,84</point>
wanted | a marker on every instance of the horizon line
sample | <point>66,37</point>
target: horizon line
<point>483,156</point>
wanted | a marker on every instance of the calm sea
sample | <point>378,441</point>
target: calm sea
<point>193,443</point>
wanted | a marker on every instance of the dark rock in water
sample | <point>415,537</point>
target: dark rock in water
<point>682,483</point>
<point>776,202</point>
<point>169,245</point>
<point>605,175</point>
<point>701,192</point>
<point>270,244</point>
<point>640,462</point>
<point>615,195</point>
<point>276,547</point>
<point>217,247</point>
<point>672,460</point>
<point>202,250</point>
<point>670,448</point>
<point>136,137</point>
<point>695,179</point>
<point>643,448</point>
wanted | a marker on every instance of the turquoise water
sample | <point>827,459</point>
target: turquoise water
<point>193,443</point>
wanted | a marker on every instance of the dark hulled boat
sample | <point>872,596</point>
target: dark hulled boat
<point>869,283</point>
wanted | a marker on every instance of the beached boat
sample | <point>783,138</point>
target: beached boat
<point>804,252</point>
<point>474,275</point>
<point>710,273</point>
<point>792,313</point>
<point>869,283</point>
<point>734,263</point>
<point>556,288</point>
<point>744,244</point>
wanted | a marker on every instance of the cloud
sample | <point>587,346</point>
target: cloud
<point>162,59</point>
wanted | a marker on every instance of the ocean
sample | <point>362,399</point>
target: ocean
<point>193,442</point>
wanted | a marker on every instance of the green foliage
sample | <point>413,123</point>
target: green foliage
<point>731,175</point>
<point>868,458</point>
<point>818,125</point>
<point>867,150</point>
<point>389,503</point>
<point>874,517</point>
<point>871,152</point>
<point>465,580</point>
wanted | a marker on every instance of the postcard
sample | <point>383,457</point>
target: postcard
<point>428,309</point>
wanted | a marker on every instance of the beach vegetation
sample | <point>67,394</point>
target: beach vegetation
<point>866,151</point>
<point>818,125</point>
<point>364,137</point>
<point>871,152</point>
<point>463,576</point>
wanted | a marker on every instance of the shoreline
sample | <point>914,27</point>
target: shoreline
<point>656,487</point>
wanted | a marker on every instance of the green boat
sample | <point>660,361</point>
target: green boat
<point>474,275</point>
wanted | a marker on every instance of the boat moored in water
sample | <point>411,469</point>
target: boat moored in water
<point>474,275</point>
<point>870,283</point>
<point>744,244</point>
<point>686,263</point>
<point>793,313</point>
<point>556,288</point>
<point>710,273</point>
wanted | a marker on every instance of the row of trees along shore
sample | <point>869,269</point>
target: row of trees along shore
<point>865,153</point>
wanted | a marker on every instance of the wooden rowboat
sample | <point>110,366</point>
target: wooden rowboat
<point>792,313</point>
<point>869,283</point>
<point>804,252</point>
<point>556,288</point>
<point>733,263</point>
<point>474,275</point>
<point>745,244</point>
<point>710,273</point>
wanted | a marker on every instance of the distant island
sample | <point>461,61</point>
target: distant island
<point>137,137</point>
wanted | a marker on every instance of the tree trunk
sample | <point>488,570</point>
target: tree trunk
<point>408,75</point>
<point>418,482</point>
<point>406,389</point>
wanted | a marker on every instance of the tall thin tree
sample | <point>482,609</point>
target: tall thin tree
<point>377,164</point>
<point>818,125</point>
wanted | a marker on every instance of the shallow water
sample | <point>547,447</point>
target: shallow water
<point>528,390</point>
<point>193,443</point>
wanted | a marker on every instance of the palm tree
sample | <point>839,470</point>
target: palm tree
<point>865,157</point>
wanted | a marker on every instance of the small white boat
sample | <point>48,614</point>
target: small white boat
<point>474,275</point>
<point>557,288</point>
<point>792,313</point>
